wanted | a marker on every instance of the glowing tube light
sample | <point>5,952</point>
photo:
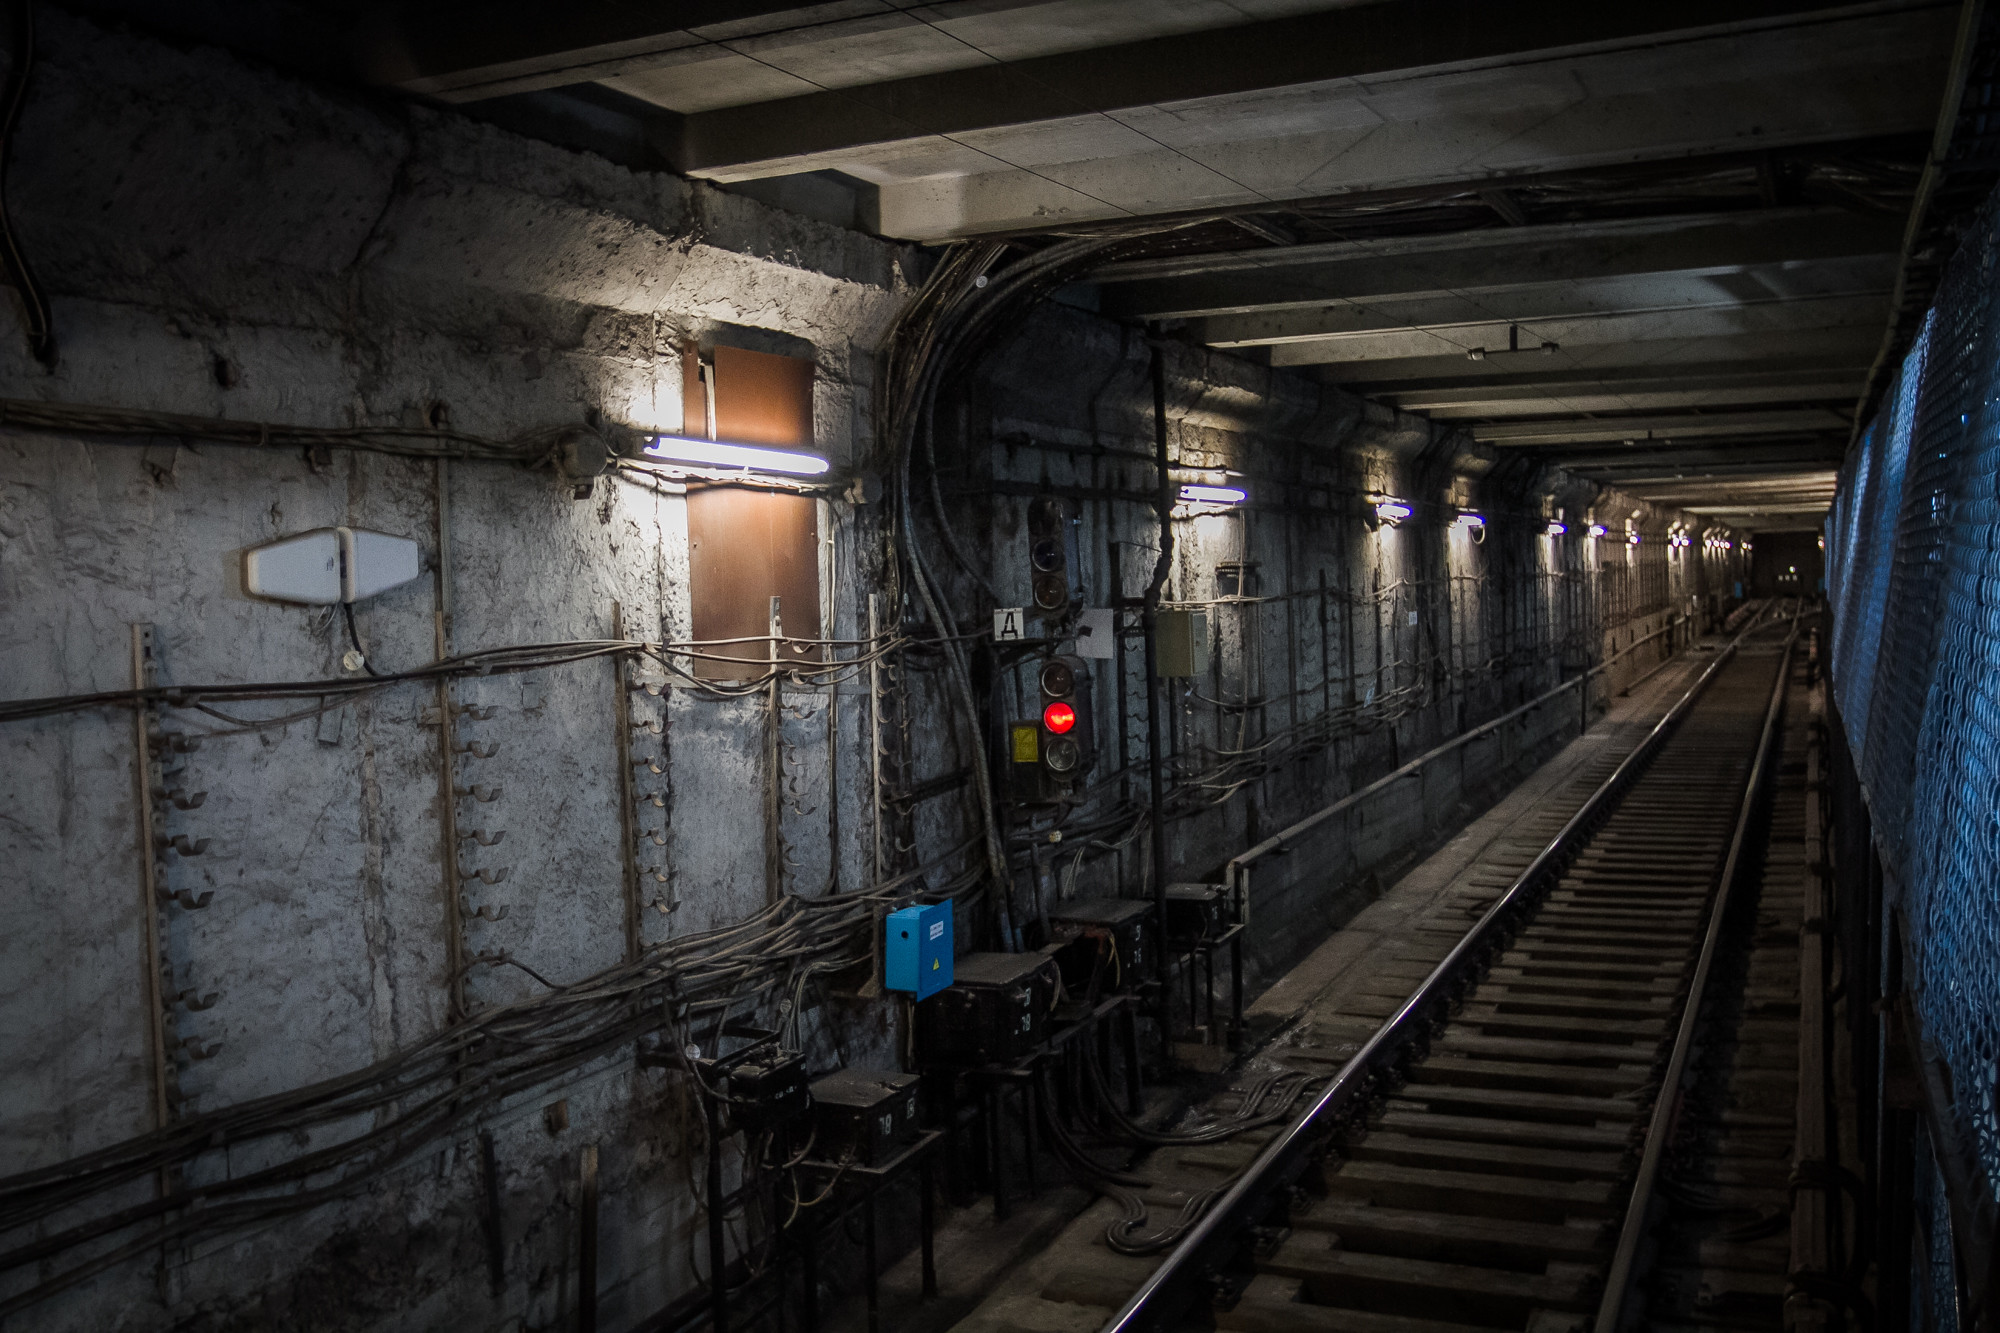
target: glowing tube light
<point>1213,495</point>
<point>1597,529</point>
<point>1392,510</point>
<point>1555,529</point>
<point>1467,519</point>
<point>715,453</point>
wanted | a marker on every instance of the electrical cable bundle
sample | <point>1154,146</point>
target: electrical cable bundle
<point>1267,1101</point>
<point>505,661</point>
<point>963,308</point>
<point>534,447</point>
<point>328,1140</point>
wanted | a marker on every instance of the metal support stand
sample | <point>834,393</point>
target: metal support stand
<point>454,916</point>
<point>718,1283</point>
<point>1155,758</point>
<point>871,1180</point>
<point>151,888</point>
<point>1198,959</point>
<point>628,814</point>
<point>586,1278</point>
<point>774,771</point>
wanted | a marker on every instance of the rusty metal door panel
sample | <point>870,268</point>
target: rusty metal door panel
<point>763,399</point>
<point>746,546</point>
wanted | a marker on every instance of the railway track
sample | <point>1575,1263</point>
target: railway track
<point>1513,1123</point>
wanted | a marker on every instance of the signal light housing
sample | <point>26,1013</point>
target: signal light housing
<point>1052,557</point>
<point>1045,759</point>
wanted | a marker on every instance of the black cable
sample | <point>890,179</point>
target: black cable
<point>354,637</point>
<point>425,1092</point>
<point>484,662</point>
<point>34,302</point>
<point>534,448</point>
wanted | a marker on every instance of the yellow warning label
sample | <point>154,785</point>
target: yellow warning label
<point>1027,744</point>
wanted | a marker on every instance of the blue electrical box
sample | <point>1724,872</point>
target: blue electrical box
<point>916,956</point>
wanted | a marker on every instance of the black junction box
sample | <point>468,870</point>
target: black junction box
<point>995,1011</point>
<point>766,1087</point>
<point>1108,939</point>
<point>1195,914</point>
<point>863,1115</point>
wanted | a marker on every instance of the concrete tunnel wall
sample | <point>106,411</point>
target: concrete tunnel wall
<point>221,240</point>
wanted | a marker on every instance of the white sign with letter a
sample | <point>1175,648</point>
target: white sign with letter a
<point>1010,624</point>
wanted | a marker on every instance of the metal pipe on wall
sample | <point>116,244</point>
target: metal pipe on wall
<point>1163,505</point>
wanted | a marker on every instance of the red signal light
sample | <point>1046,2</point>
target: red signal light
<point>1059,717</point>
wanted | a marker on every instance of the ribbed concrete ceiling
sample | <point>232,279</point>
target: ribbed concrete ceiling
<point>1657,244</point>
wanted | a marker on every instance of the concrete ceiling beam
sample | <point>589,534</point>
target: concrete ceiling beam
<point>1716,504</point>
<point>1797,487</point>
<point>1653,462</point>
<point>702,55</point>
<point>1307,276</point>
<point>1547,339</point>
<point>1832,391</point>
<point>1666,426</point>
<point>1577,362</point>
<point>1234,117</point>
<point>1458,386</point>
<point>1162,52</point>
<point>1531,304</point>
<point>1838,385</point>
<point>1249,58</point>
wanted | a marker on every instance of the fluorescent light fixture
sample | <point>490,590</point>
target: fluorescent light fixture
<point>1213,495</point>
<point>1632,537</point>
<point>1597,529</point>
<point>1555,529</point>
<point>1391,510</point>
<point>751,458</point>
<point>1467,519</point>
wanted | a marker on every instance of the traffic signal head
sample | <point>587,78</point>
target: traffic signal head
<point>1066,750</point>
<point>1052,563</point>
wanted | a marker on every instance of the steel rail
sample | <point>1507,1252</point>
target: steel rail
<point>1217,1236</point>
<point>1673,1086</point>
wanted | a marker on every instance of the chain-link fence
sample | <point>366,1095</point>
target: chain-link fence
<point>1913,547</point>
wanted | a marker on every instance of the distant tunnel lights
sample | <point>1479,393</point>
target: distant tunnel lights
<point>1213,495</point>
<point>1467,519</point>
<point>1555,529</point>
<point>715,453</point>
<point>1391,510</point>
<point>1597,529</point>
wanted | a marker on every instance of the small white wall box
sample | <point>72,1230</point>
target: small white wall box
<point>330,565</point>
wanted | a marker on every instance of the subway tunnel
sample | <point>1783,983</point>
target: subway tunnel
<point>1018,666</point>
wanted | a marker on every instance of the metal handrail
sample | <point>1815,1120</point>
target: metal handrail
<point>1287,1155</point>
<point>1236,872</point>
<point>1618,1281</point>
